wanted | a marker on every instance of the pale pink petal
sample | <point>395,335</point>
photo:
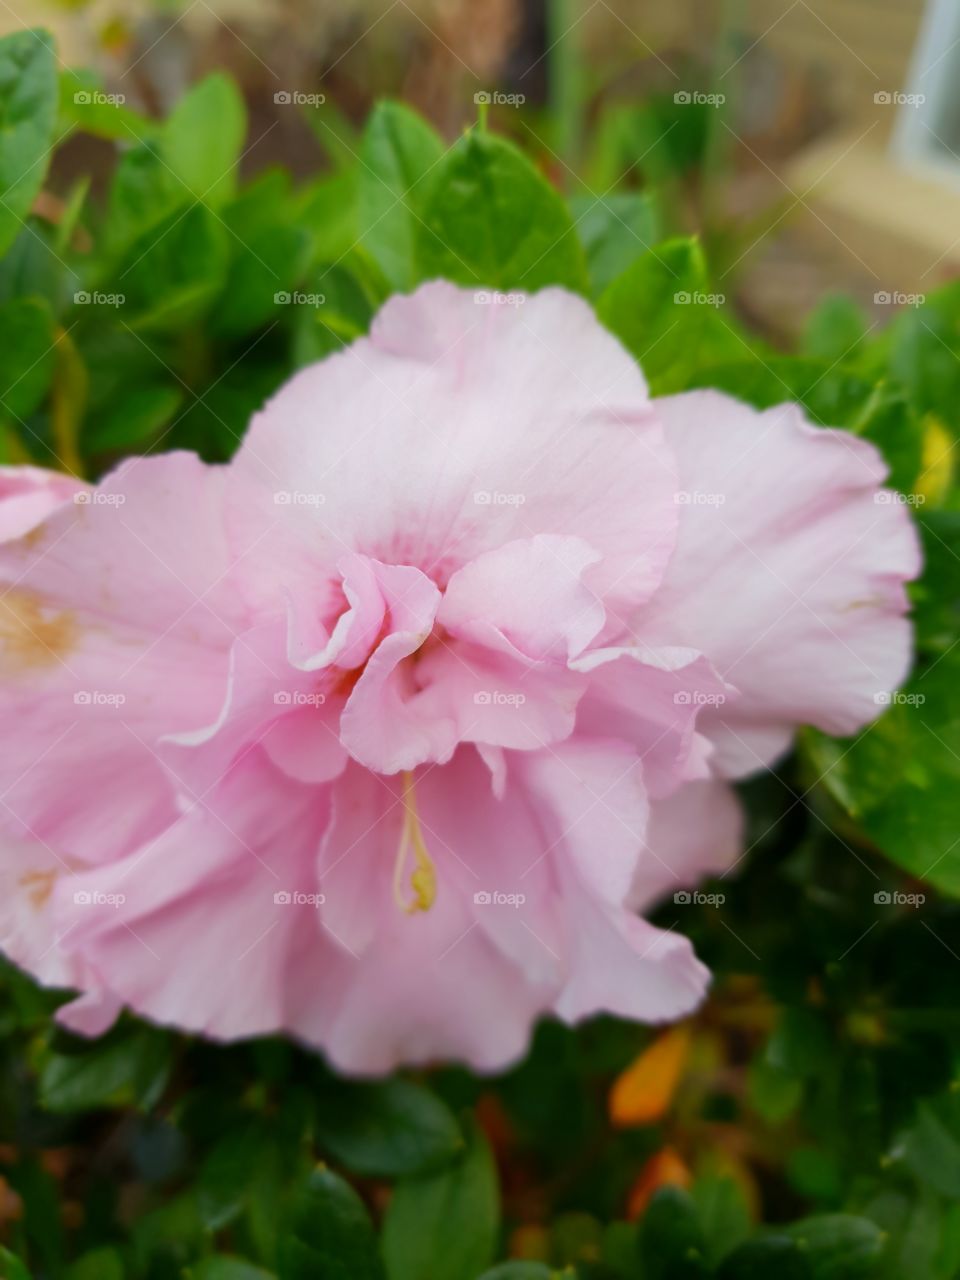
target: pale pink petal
<point>789,573</point>
<point>197,929</point>
<point>29,494</point>
<point>594,808</point>
<point>529,594</point>
<point>695,833</point>
<point>624,966</point>
<point>652,698</point>
<point>113,631</point>
<point>454,428</point>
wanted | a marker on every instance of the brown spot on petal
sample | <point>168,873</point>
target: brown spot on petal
<point>39,886</point>
<point>32,634</point>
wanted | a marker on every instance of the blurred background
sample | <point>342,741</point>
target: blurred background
<point>815,144</point>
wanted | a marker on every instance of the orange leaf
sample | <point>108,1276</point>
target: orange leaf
<point>665,1169</point>
<point>643,1092</point>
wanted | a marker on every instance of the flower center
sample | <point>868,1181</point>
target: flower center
<point>423,877</point>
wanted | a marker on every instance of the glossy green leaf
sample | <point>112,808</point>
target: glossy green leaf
<point>88,108</point>
<point>723,1214</point>
<point>28,109</point>
<point>899,778</point>
<point>519,1271</point>
<point>99,1264</point>
<point>203,138</point>
<point>13,1268</point>
<point>398,152</point>
<point>931,1146</point>
<point>664,311</point>
<point>614,229</point>
<point>672,1245</point>
<point>127,1068</point>
<point>388,1130</point>
<point>330,1236</point>
<point>443,1226</point>
<point>174,272</point>
<point>492,221</point>
<point>27,356</point>
<point>773,1257</point>
<point>839,1246</point>
<point>225,1268</point>
<point>264,271</point>
<point>134,421</point>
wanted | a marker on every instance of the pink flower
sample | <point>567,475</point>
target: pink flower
<point>378,735</point>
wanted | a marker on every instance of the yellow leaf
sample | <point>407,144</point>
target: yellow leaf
<point>937,462</point>
<point>643,1092</point>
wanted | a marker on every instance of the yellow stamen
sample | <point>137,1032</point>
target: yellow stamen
<point>423,877</point>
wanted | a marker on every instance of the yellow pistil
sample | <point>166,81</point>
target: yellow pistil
<point>423,877</point>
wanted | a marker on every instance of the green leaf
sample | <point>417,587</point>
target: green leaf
<point>398,151</point>
<point>388,1130</point>
<point>835,330</point>
<point>132,422</point>
<point>662,310</point>
<point>223,1267</point>
<point>615,229</point>
<point>264,268</point>
<point>672,1245</point>
<point>228,1173</point>
<point>936,597</point>
<point>490,219</point>
<point>175,272</point>
<point>99,1264</point>
<point>28,111</point>
<point>766,1258</point>
<point>331,1236</point>
<point>724,1216</point>
<point>899,778</point>
<point>774,1093</point>
<point>126,1068</point>
<point>839,1246</point>
<point>31,267</point>
<point>203,138</point>
<point>27,356</point>
<point>443,1226</point>
<point>85,107</point>
<point>519,1271</point>
<point>931,1146</point>
<point>143,193</point>
<point>13,1268</point>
